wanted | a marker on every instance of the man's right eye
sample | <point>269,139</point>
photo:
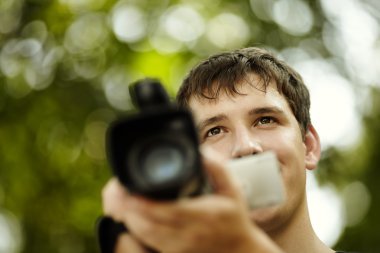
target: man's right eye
<point>213,131</point>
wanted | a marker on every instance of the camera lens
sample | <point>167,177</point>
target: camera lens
<point>162,163</point>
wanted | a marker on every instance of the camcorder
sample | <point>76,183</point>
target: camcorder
<point>154,153</point>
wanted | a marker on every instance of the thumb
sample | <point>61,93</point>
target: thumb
<point>221,180</point>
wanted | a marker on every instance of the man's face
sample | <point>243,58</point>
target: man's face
<point>252,123</point>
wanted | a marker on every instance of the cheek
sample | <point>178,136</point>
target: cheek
<point>222,147</point>
<point>290,152</point>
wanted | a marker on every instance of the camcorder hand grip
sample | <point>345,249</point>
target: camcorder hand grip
<point>108,231</point>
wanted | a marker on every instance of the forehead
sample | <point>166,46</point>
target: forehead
<point>234,107</point>
<point>251,91</point>
<point>234,86</point>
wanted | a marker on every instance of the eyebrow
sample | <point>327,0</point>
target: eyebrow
<point>254,111</point>
<point>264,110</point>
<point>212,120</point>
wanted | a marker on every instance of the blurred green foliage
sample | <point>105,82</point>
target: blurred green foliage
<point>359,164</point>
<point>64,72</point>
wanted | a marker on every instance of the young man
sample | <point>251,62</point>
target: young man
<point>244,102</point>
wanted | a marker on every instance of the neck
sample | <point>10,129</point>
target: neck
<point>298,236</point>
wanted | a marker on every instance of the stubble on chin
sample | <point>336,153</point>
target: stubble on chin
<point>267,218</point>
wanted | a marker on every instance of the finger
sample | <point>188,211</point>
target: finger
<point>154,226</point>
<point>128,244</point>
<point>223,183</point>
<point>150,233</point>
<point>114,199</point>
<point>159,212</point>
<point>171,214</point>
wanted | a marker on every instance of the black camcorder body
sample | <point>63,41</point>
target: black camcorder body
<point>154,152</point>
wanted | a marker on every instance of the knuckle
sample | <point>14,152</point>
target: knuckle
<point>108,189</point>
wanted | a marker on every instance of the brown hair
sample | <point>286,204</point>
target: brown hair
<point>225,71</point>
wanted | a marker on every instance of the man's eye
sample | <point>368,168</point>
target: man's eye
<point>265,121</point>
<point>213,131</point>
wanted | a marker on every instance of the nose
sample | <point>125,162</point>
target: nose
<point>245,144</point>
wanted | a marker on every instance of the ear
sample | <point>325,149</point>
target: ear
<point>313,148</point>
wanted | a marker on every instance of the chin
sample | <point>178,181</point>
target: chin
<point>266,218</point>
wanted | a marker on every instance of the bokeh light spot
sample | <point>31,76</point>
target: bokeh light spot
<point>352,33</point>
<point>183,23</point>
<point>115,85</point>
<point>10,233</point>
<point>129,22</point>
<point>10,15</point>
<point>357,201</point>
<point>326,210</point>
<point>164,43</point>
<point>78,6</point>
<point>263,8</point>
<point>293,16</point>
<point>228,31</point>
<point>37,30</point>
<point>89,32</point>
<point>333,104</point>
